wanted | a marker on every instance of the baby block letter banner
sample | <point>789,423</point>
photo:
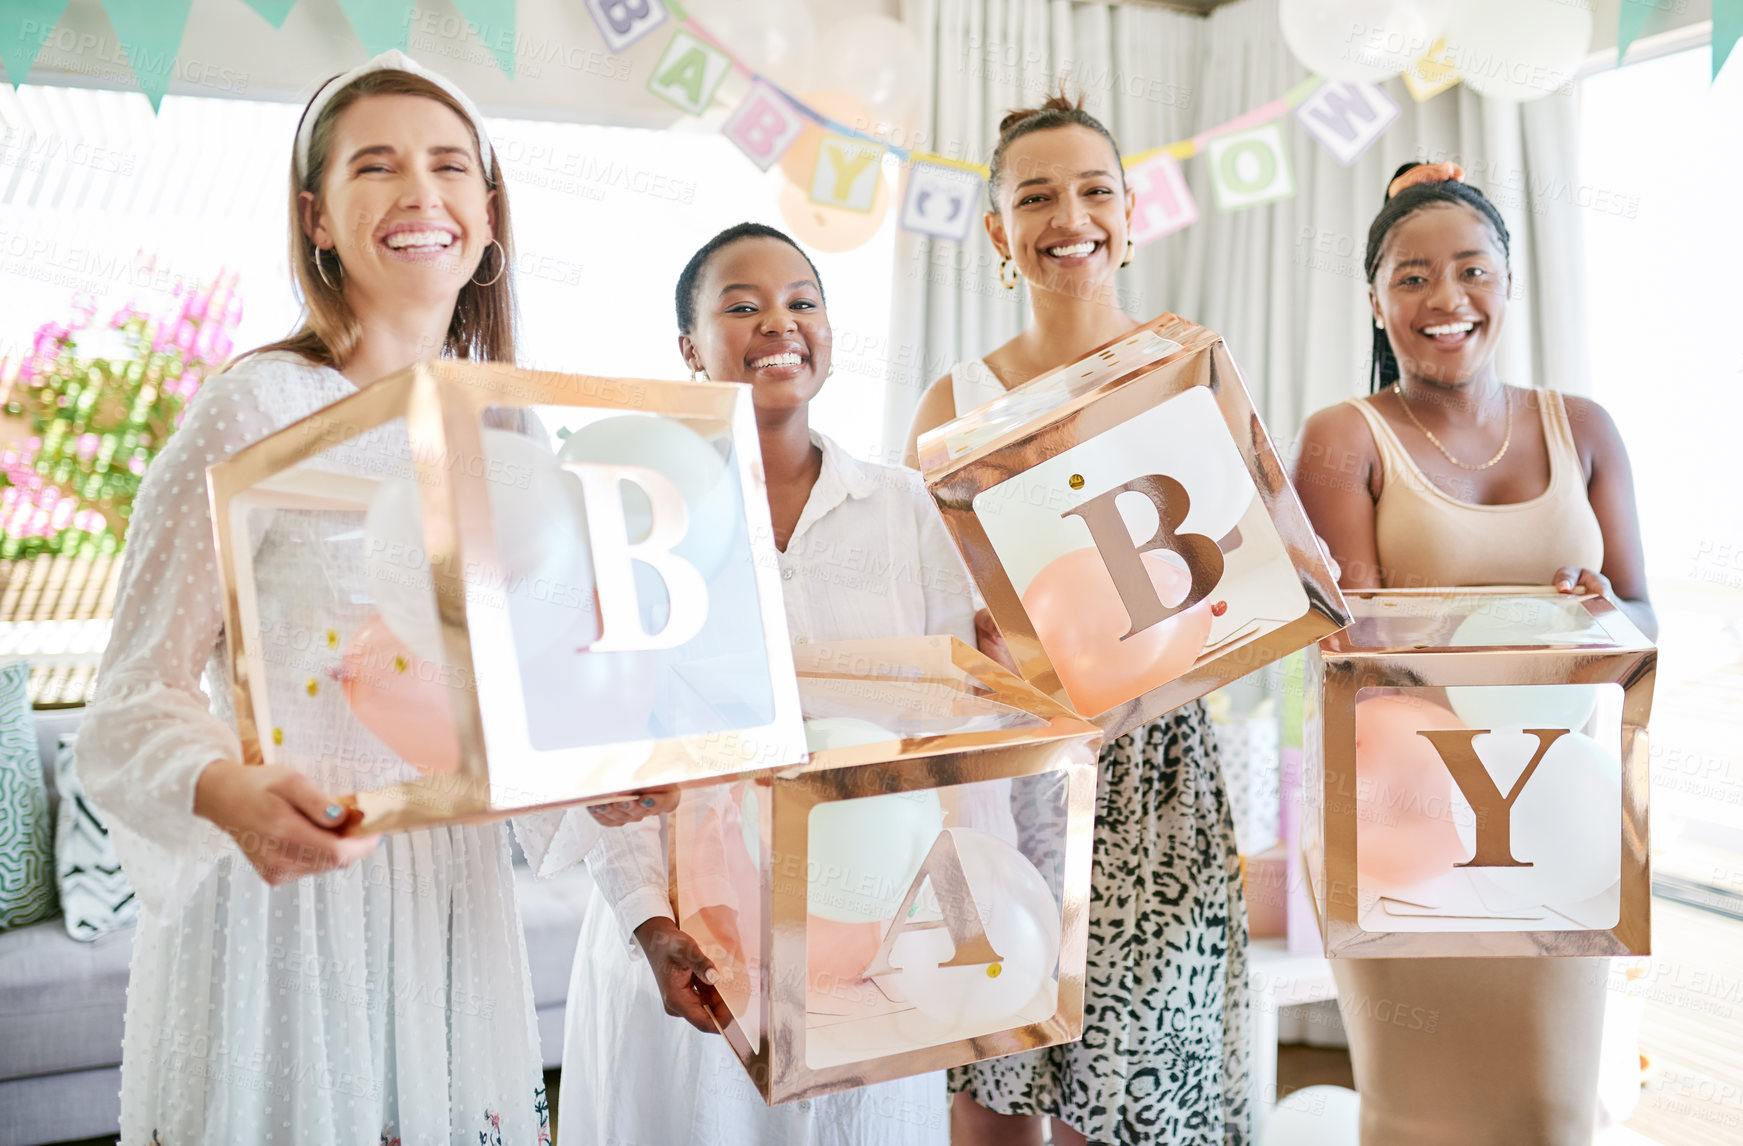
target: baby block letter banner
<point>623,22</point>
<point>1347,117</point>
<point>1250,167</point>
<point>689,73</point>
<point>941,201</point>
<point>1164,202</point>
<point>764,125</point>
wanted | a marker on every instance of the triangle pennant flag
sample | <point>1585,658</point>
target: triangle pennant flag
<point>150,32</point>
<point>380,24</point>
<point>1727,27</point>
<point>1632,19</point>
<point>492,21</point>
<point>272,11</point>
<point>27,26</point>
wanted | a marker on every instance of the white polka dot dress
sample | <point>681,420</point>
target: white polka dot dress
<point>389,1002</point>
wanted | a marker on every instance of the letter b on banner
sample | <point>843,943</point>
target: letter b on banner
<point>764,125</point>
<point>623,22</point>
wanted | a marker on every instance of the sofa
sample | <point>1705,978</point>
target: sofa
<point>62,1001</point>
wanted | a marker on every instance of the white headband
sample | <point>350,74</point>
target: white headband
<point>391,60</point>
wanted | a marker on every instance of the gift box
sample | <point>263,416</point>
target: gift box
<point>914,897</point>
<point>1128,521</point>
<point>1475,780</point>
<point>469,590</point>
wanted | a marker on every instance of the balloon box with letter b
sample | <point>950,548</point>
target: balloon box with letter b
<point>443,613</point>
<point>1128,520</point>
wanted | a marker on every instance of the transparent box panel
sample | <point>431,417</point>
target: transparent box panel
<point>338,692</point>
<point>1475,620</point>
<point>933,915</point>
<point>1506,816</point>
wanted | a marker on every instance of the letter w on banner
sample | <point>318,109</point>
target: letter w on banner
<point>1347,117</point>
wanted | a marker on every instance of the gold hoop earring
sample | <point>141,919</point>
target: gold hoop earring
<point>1128,261</point>
<point>1010,283</point>
<point>502,265</point>
<point>322,270</point>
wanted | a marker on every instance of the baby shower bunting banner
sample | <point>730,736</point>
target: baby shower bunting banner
<point>1248,156</point>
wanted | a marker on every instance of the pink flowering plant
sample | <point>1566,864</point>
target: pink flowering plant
<point>91,404</point>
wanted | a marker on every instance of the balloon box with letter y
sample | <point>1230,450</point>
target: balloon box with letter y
<point>1475,776</point>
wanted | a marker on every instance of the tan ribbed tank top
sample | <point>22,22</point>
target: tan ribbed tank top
<point>1424,536</point>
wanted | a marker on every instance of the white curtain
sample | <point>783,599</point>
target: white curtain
<point>1283,282</point>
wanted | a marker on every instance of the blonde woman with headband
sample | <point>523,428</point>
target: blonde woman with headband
<point>290,985</point>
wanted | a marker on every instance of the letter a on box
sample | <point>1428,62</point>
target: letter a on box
<point>1165,204</point>
<point>1347,117</point>
<point>623,22</point>
<point>689,73</point>
<point>847,173</point>
<point>764,125</point>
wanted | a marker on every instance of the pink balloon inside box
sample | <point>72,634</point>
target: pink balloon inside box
<point>913,897</point>
<point>1475,776</point>
<point>1128,521</point>
<point>469,590</point>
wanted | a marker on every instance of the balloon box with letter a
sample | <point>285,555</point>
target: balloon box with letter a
<point>915,896</point>
<point>1475,776</point>
<point>445,612</point>
<point>1130,525</point>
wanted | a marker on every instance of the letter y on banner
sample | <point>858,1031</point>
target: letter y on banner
<point>764,125</point>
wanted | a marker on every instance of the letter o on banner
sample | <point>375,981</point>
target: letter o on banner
<point>1250,167</point>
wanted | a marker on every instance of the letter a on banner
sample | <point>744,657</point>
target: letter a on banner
<point>940,201</point>
<point>847,173</point>
<point>623,22</point>
<point>1165,204</point>
<point>1249,167</point>
<point>764,125</point>
<point>689,73</point>
<point>1347,117</point>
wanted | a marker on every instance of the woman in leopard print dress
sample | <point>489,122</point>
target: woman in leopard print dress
<point>1163,1058</point>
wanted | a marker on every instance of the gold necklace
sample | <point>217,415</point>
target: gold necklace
<point>1506,399</point>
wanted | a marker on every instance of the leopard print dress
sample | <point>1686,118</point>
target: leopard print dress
<point>1163,1058</point>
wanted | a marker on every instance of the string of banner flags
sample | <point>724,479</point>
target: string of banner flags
<point>1248,160</point>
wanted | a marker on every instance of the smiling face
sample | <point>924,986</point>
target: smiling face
<point>404,203</point>
<point>1441,289</point>
<point>1063,210</point>
<point>760,320</point>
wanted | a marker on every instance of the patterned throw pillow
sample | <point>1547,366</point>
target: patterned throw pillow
<point>95,896</point>
<point>26,831</point>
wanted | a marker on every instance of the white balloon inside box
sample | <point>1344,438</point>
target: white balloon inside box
<point>1476,776</point>
<point>513,617</point>
<point>1127,520</point>
<point>926,872</point>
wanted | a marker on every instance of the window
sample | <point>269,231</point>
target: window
<point>604,217</point>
